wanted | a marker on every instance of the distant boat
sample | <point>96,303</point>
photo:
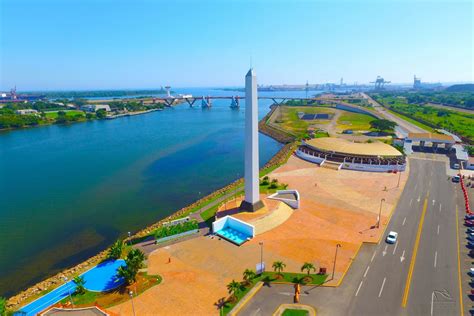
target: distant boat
<point>235,103</point>
<point>206,102</point>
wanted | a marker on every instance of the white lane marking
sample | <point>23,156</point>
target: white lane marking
<point>366,270</point>
<point>440,207</point>
<point>404,220</point>
<point>435,259</point>
<point>256,312</point>
<point>419,198</point>
<point>395,249</point>
<point>411,201</point>
<point>433,202</point>
<point>381,288</point>
<point>402,257</point>
<point>373,256</point>
<point>358,289</point>
<point>437,233</point>
<point>432,300</point>
<point>384,252</point>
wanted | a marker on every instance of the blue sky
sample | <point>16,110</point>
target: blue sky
<point>101,44</point>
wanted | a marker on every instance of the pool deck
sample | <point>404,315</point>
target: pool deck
<point>337,207</point>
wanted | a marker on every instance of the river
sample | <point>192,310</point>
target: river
<point>67,192</point>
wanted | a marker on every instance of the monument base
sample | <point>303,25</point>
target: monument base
<point>249,207</point>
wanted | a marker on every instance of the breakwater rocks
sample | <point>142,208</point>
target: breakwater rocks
<point>15,302</point>
<point>265,127</point>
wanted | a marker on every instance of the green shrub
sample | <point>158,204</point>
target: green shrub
<point>166,231</point>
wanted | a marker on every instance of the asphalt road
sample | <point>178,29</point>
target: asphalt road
<point>376,283</point>
<point>407,126</point>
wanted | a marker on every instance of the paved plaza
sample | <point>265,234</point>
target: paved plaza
<point>337,207</point>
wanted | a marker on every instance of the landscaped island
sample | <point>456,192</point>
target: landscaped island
<point>14,115</point>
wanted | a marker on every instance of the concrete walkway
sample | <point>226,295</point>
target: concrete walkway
<point>148,245</point>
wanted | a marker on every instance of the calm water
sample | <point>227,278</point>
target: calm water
<point>68,192</point>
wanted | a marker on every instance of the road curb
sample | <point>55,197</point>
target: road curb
<point>245,299</point>
<point>279,311</point>
<point>345,271</point>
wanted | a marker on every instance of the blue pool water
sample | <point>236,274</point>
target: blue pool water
<point>47,300</point>
<point>233,235</point>
<point>101,278</point>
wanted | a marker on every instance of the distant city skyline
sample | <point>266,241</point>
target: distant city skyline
<point>61,45</point>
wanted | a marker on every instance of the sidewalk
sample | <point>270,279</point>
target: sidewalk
<point>148,245</point>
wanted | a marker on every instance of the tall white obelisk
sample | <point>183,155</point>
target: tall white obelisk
<point>252,195</point>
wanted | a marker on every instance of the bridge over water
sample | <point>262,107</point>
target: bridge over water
<point>207,100</point>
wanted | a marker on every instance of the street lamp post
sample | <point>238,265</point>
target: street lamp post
<point>380,212</point>
<point>131,298</point>
<point>129,240</point>
<point>261,255</point>
<point>335,258</point>
<point>69,291</point>
<point>399,176</point>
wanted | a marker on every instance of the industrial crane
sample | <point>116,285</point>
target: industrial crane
<point>379,83</point>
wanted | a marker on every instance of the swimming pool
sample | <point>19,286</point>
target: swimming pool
<point>100,278</point>
<point>103,277</point>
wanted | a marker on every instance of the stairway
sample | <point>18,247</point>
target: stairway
<point>331,165</point>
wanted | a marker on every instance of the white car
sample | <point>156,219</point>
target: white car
<point>391,237</point>
<point>471,271</point>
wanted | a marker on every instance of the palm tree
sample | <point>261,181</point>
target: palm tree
<point>79,280</point>
<point>248,275</point>
<point>308,267</point>
<point>3,306</point>
<point>133,263</point>
<point>115,252</point>
<point>232,288</point>
<point>278,266</point>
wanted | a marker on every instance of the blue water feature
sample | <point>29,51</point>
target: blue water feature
<point>233,235</point>
<point>47,300</point>
<point>103,277</point>
<point>100,278</point>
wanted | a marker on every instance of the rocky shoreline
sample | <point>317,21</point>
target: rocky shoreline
<point>16,301</point>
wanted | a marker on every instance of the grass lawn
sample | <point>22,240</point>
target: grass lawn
<point>295,312</point>
<point>69,113</point>
<point>354,121</point>
<point>414,122</point>
<point>290,121</point>
<point>117,296</point>
<point>460,123</point>
<point>267,187</point>
<point>269,277</point>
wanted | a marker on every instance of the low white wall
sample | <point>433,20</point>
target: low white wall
<point>292,203</point>
<point>372,168</point>
<point>311,158</point>
<point>219,224</point>
<point>234,223</point>
<point>354,109</point>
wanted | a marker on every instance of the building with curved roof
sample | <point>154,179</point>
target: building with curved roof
<point>343,154</point>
